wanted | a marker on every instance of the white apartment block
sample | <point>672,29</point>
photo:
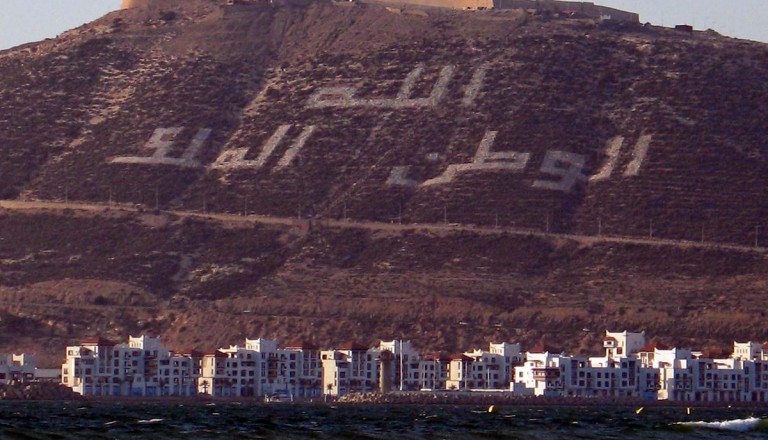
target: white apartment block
<point>484,370</point>
<point>17,368</point>
<point>350,368</point>
<point>261,368</point>
<point>406,371</point>
<point>305,377</point>
<point>629,368</point>
<point>143,367</point>
<point>433,372</point>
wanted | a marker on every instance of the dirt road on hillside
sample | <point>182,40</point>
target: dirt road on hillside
<point>235,220</point>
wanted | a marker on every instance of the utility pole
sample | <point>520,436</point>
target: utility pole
<point>757,236</point>
<point>401,364</point>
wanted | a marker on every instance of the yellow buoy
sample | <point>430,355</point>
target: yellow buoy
<point>688,410</point>
<point>639,410</point>
<point>492,409</point>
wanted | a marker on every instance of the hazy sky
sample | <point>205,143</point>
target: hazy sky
<point>23,21</point>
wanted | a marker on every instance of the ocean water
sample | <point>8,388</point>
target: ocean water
<point>109,420</point>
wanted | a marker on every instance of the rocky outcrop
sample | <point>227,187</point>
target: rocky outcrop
<point>37,391</point>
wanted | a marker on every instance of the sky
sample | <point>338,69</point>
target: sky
<point>24,21</point>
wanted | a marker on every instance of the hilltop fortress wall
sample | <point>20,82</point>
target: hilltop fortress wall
<point>587,9</point>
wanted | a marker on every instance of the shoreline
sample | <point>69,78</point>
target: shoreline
<point>429,400</point>
<point>58,393</point>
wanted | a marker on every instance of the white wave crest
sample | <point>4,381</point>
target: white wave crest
<point>738,425</point>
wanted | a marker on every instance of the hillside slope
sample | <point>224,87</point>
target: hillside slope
<point>334,111</point>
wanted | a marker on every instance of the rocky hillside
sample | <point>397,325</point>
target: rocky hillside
<point>490,123</point>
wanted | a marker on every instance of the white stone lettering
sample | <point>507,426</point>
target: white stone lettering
<point>475,84</point>
<point>235,159</point>
<point>296,147</point>
<point>399,177</point>
<point>162,141</point>
<point>569,175</point>
<point>344,97</point>
<point>484,160</point>
<point>612,151</point>
<point>638,155</point>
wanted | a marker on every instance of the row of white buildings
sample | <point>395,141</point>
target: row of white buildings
<point>630,367</point>
<point>633,368</point>
<point>144,367</point>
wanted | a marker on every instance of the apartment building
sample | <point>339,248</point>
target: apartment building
<point>484,370</point>
<point>350,368</point>
<point>629,368</point>
<point>17,368</point>
<point>305,369</point>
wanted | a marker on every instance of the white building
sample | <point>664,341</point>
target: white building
<point>17,368</point>
<point>143,367</point>
<point>433,372</point>
<point>623,344</point>
<point>350,368</point>
<point>261,368</point>
<point>543,373</point>
<point>304,369</point>
<point>406,374</point>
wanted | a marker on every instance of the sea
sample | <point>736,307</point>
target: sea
<point>240,420</point>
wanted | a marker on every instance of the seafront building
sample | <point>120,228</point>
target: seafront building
<point>630,367</point>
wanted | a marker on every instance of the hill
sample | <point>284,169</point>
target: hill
<point>490,123</point>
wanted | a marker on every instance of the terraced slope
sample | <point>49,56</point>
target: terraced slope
<point>354,111</point>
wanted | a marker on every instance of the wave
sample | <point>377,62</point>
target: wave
<point>737,425</point>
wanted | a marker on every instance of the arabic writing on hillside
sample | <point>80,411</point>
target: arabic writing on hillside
<point>565,169</point>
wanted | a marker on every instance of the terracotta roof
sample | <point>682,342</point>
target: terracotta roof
<point>443,357</point>
<point>98,341</point>
<point>215,353</point>
<point>715,353</point>
<point>461,357</point>
<point>352,346</point>
<point>302,345</point>
<point>609,338</point>
<point>543,348</point>
<point>191,352</point>
<point>652,346</point>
